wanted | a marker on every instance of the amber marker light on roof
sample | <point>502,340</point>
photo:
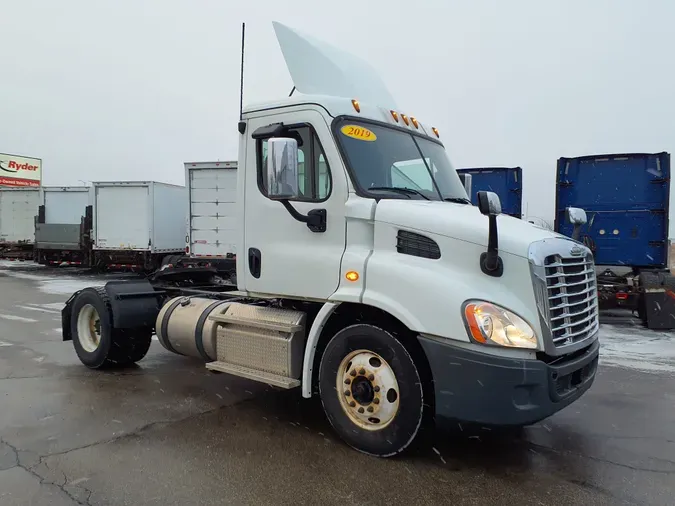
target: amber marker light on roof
<point>414,122</point>
<point>435,131</point>
<point>357,106</point>
<point>394,115</point>
<point>405,119</point>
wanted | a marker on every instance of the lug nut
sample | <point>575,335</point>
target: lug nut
<point>370,409</point>
<point>352,404</point>
<point>360,410</point>
<point>348,381</point>
<point>348,393</point>
<point>362,371</point>
<point>352,372</point>
<point>376,401</point>
<point>377,389</point>
<point>371,377</point>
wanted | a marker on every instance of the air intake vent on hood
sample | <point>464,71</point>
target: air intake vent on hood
<point>410,243</point>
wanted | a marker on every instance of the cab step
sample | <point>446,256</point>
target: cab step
<point>255,375</point>
<point>260,343</point>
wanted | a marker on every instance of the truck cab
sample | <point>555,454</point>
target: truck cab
<point>366,276</point>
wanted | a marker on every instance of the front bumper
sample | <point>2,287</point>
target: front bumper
<point>499,391</point>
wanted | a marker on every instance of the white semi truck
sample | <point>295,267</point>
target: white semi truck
<point>365,276</point>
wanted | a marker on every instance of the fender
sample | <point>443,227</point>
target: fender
<point>132,303</point>
<point>310,347</point>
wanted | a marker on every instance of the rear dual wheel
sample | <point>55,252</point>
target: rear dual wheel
<point>97,343</point>
<point>371,390</point>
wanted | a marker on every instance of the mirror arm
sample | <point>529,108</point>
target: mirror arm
<point>490,262</point>
<point>315,219</point>
<point>576,232</point>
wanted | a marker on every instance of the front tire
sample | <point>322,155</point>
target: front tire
<point>371,390</point>
<point>97,344</point>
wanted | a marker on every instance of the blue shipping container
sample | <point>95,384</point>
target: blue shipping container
<point>507,182</point>
<point>625,197</point>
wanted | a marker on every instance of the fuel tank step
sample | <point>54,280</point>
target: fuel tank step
<point>255,375</point>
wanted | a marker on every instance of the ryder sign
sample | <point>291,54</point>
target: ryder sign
<point>20,170</point>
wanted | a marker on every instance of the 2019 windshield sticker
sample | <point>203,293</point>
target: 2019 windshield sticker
<point>358,132</point>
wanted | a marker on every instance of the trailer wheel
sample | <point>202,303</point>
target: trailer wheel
<point>371,390</point>
<point>170,260</point>
<point>97,343</point>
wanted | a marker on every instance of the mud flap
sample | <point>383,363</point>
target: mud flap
<point>657,307</point>
<point>66,315</point>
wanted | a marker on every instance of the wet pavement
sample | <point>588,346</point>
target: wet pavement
<point>168,432</point>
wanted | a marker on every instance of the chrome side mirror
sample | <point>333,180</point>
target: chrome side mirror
<point>489,203</point>
<point>490,262</point>
<point>576,215</point>
<point>282,168</point>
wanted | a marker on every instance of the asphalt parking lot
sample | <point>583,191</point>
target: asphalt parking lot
<point>167,432</point>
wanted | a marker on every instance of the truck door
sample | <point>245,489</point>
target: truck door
<point>283,256</point>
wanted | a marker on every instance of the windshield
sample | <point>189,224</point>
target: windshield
<point>393,163</point>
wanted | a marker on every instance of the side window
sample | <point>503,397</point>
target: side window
<point>314,181</point>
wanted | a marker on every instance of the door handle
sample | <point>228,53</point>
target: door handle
<point>254,262</point>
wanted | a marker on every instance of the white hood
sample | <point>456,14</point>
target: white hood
<point>461,222</point>
<point>318,68</point>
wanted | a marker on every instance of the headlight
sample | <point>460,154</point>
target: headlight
<point>490,324</point>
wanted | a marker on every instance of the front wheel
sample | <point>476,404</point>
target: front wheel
<point>371,390</point>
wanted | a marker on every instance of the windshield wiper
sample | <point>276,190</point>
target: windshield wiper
<point>457,200</point>
<point>405,191</point>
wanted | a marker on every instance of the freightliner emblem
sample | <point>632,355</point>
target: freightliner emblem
<point>576,251</point>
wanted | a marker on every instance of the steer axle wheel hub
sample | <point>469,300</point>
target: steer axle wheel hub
<point>368,390</point>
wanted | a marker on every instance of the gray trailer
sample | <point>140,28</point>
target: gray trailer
<point>62,226</point>
<point>18,207</point>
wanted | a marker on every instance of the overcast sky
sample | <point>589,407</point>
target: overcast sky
<point>130,89</point>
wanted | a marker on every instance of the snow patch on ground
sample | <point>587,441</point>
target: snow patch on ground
<point>7,264</point>
<point>636,347</point>
<point>61,285</point>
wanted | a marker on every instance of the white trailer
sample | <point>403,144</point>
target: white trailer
<point>18,209</point>
<point>137,223</point>
<point>212,209</point>
<point>211,215</point>
<point>62,228</point>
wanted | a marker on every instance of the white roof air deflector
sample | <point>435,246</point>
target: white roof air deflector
<point>318,68</point>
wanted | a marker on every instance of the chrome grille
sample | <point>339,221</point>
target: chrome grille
<point>571,294</point>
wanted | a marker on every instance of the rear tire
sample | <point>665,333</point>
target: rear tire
<point>371,390</point>
<point>170,260</point>
<point>97,344</point>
